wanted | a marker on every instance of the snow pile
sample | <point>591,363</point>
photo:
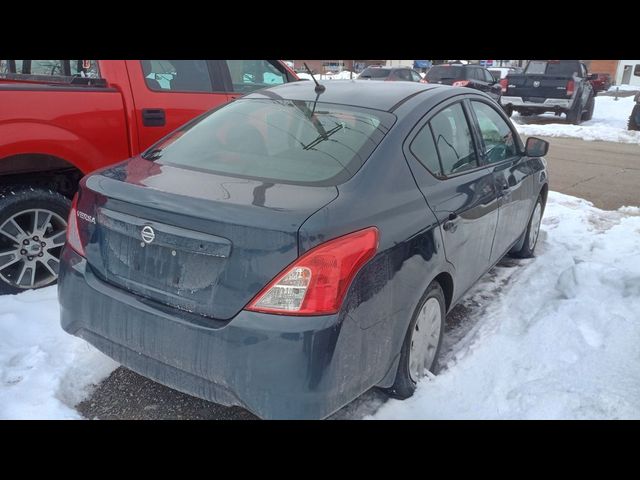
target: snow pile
<point>609,123</point>
<point>44,371</point>
<point>624,88</point>
<point>561,338</point>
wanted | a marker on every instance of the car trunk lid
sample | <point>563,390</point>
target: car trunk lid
<point>196,241</point>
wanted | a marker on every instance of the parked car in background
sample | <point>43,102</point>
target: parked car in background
<point>61,119</point>
<point>558,86</point>
<point>390,74</point>
<point>288,270</point>
<point>634,118</point>
<point>499,73</point>
<point>601,82</point>
<point>465,75</point>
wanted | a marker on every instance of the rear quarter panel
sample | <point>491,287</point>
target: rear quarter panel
<point>383,296</point>
<point>85,128</point>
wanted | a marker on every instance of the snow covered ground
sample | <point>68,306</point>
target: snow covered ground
<point>554,337</point>
<point>551,337</point>
<point>609,123</point>
<point>44,371</point>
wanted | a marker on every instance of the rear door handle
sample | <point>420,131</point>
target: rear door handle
<point>154,117</point>
<point>451,224</point>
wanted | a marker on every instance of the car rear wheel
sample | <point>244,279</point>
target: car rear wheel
<point>532,233</point>
<point>33,224</point>
<point>422,342</point>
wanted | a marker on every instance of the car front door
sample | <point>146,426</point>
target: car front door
<point>442,154</point>
<point>502,152</point>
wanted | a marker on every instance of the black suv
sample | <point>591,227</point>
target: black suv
<point>461,75</point>
<point>402,74</point>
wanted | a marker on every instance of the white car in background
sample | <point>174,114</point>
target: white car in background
<point>501,72</point>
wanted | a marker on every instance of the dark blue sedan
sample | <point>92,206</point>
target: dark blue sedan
<point>298,246</point>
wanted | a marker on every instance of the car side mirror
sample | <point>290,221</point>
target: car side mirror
<point>536,147</point>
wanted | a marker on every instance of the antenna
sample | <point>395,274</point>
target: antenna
<point>319,88</point>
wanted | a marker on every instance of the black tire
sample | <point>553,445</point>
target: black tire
<point>404,386</point>
<point>13,201</point>
<point>527,250</point>
<point>574,115</point>
<point>508,110</point>
<point>633,125</point>
<point>591,104</point>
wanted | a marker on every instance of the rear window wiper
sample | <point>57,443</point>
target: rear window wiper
<point>154,154</point>
<point>323,137</point>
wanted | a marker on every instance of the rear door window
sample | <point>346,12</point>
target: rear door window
<point>178,75</point>
<point>424,148</point>
<point>284,141</point>
<point>249,75</point>
<point>454,140</point>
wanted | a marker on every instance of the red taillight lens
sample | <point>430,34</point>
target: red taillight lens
<point>73,234</point>
<point>571,86</point>
<point>461,83</point>
<point>316,283</point>
<point>503,85</point>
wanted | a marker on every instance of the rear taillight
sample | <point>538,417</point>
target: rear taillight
<point>461,83</point>
<point>503,85</point>
<point>571,86</point>
<point>316,283</point>
<point>73,234</point>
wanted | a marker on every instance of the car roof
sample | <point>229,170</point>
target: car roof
<point>376,95</point>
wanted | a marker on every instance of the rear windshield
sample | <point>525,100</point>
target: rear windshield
<point>283,141</point>
<point>445,72</point>
<point>541,67</point>
<point>375,73</point>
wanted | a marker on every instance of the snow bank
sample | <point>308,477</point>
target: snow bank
<point>609,123</point>
<point>44,371</point>
<point>561,338</point>
<point>624,88</point>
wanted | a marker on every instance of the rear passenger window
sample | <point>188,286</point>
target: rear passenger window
<point>177,75</point>
<point>454,141</point>
<point>424,148</point>
<point>250,75</point>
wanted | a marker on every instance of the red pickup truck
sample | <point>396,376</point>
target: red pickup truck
<point>61,119</point>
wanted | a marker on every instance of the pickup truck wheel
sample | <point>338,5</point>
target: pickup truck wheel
<point>575,114</point>
<point>532,232</point>
<point>508,110</point>
<point>422,342</point>
<point>33,224</point>
<point>633,124</point>
<point>591,105</point>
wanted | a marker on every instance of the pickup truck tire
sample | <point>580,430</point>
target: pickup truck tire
<point>33,223</point>
<point>591,105</point>
<point>508,110</point>
<point>633,125</point>
<point>574,115</point>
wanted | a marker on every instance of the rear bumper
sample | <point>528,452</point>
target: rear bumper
<point>274,366</point>
<point>550,104</point>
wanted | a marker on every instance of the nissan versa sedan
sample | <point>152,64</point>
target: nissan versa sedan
<point>300,245</point>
